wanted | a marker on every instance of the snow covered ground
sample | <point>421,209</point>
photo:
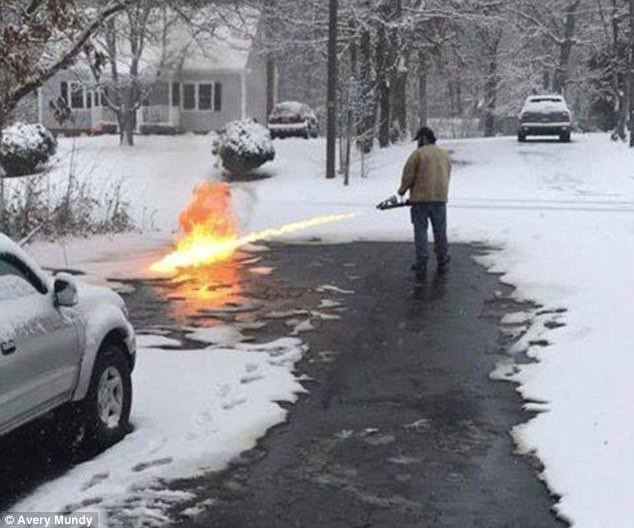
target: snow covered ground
<point>561,216</point>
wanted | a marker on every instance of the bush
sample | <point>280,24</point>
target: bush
<point>25,148</point>
<point>244,146</point>
<point>68,208</point>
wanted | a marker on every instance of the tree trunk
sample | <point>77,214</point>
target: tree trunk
<point>491,84</point>
<point>367,95</point>
<point>400,97</point>
<point>560,79</point>
<point>2,205</point>
<point>130,125</point>
<point>331,132</point>
<point>621,113</point>
<point>490,95</point>
<point>383,87</point>
<point>422,88</point>
<point>631,74</point>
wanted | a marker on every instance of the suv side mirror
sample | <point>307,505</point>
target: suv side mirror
<point>65,290</point>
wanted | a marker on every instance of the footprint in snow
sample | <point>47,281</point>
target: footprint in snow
<point>233,402</point>
<point>223,390</point>
<point>250,378</point>
<point>152,463</point>
<point>252,367</point>
<point>96,479</point>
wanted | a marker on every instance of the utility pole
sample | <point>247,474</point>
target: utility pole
<point>331,127</point>
<point>631,74</point>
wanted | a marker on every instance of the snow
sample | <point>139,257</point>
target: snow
<point>558,221</point>
<point>292,108</point>
<point>189,416</point>
<point>545,104</point>
<point>248,138</point>
<point>21,136</point>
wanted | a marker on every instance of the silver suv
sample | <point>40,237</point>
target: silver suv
<point>64,346</point>
<point>545,115</point>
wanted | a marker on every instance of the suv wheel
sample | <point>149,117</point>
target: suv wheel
<point>106,408</point>
<point>521,137</point>
<point>564,137</point>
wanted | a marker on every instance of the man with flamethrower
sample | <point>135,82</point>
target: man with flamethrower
<point>426,177</point>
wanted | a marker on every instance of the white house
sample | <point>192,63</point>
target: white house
<point>209,81</point>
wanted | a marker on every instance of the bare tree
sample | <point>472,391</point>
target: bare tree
<point>40,38</point>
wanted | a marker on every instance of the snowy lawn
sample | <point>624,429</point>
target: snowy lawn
<point>562,218</point>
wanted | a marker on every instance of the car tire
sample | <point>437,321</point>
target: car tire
<point>105,412</point>
<point>564,137</point>
<point>521,137</point>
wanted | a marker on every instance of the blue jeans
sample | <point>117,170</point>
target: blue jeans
<point>422,213</point>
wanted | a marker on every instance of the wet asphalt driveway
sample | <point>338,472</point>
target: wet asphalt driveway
<point>403,426</point>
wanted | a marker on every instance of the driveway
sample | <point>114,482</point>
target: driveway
<point>403,425</point>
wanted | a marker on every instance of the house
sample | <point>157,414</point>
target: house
<point>208,81</point>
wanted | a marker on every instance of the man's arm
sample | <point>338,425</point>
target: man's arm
<point>409,173</point>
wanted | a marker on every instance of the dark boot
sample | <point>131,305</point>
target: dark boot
<point>419,268</point>
<point>443,265</point>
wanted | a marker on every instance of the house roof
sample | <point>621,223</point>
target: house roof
<point>219,40</point>
<point>227,47</point>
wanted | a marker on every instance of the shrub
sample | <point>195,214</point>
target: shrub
<point>75,208</point>
<point>25,148</point>
<point>244,146</point>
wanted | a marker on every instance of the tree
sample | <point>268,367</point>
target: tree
<point>332,89</point>
<point>41,37</point>
<point>121,46</point>
<point>38,38</point>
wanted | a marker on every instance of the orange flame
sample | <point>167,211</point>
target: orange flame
<point>211,234</point>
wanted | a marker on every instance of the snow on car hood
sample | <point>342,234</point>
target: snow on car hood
<point>91,296</point>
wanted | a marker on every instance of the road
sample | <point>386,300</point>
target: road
<point>403,426</point>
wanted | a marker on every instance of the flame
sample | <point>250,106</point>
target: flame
<point>210,233</point>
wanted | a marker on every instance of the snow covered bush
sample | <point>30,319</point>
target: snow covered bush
<point>25,148</point>
<point>243,146</point>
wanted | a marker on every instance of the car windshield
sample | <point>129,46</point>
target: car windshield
<point>545,100</point>
<point>290,109</point>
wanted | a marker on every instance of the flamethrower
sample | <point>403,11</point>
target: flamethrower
<point>392,203</point>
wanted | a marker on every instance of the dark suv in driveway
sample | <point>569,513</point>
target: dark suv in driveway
<point>291,118</point>
<point>545,115</point>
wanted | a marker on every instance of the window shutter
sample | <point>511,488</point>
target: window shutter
<point>64,92</point>
<point>217,97</point>
<point>176,94</point>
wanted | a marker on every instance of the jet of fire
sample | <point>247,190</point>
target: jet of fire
<point>211,232</point>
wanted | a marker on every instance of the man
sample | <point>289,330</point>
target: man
<point>426,177</point>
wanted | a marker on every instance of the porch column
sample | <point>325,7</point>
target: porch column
<point>170,95</point>
<point>40,107</point>
<point>243,94</point>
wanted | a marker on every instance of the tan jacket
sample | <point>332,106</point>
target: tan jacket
<point>426,175</point>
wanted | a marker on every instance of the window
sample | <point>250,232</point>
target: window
<point>17,279</point>
<point>217,97</point>
<point>176,94</point>
<point>189,96</point>
<point>76,95</point>
<point>204,96</point>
